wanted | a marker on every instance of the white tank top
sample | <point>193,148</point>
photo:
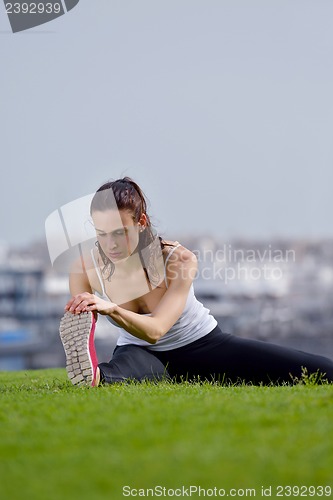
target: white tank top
<point>194,322</point>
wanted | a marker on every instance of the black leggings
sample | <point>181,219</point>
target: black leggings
<point>217,357</point>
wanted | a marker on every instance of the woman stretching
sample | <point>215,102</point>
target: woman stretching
<point>144,285</point>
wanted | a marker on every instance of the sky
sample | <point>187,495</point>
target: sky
<point>222,110</point>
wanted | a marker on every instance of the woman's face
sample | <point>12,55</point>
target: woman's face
<point>117,233</point>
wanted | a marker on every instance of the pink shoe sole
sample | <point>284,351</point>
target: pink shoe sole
<point>77,336</point>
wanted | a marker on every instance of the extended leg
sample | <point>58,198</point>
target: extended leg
<point>225,357</point>
<point>132,362</point>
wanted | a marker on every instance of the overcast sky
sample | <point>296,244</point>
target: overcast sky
<point>222,110</point>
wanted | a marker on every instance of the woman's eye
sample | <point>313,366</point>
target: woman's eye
<point>120,232</point>
<point>101,235</point>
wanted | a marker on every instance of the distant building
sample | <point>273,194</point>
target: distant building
<point>293,307</point>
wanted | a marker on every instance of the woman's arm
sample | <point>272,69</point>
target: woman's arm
<point>78,279</point>
<point>164,316</point>
<point>181,271</point>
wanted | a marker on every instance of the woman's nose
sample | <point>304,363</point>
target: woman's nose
<point>111,242</point>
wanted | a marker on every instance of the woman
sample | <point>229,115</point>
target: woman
<point>144,285</point>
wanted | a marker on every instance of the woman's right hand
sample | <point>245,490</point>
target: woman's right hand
<point>89,302</point>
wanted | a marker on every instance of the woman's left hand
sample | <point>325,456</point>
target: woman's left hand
<point>89,302</point>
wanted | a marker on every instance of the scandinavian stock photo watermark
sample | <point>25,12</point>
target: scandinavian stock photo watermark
<point>228,263</point>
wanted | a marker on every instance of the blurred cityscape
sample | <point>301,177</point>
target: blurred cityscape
<point>279,291</point>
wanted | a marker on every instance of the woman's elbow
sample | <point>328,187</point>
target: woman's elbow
<point>155,335</point>
<point>151,340</point>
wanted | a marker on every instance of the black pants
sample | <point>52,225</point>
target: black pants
<point>215,357</point>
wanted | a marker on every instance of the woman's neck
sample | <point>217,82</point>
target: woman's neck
<point>129,265</point>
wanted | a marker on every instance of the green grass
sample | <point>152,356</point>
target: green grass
<point>62,442</point>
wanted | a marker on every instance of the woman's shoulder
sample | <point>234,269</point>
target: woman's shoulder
<point>174,252</point>
<point>180,263</point>
<point>168,243</point>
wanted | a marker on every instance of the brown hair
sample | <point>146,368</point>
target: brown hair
<point>126,193</point>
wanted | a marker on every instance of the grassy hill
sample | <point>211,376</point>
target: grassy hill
<point>62,442</point>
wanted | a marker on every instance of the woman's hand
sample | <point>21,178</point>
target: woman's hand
<point>89,302</point>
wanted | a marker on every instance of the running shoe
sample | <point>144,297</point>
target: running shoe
<point>77,337</point>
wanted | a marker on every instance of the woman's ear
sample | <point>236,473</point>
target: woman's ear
<point>143,222</point>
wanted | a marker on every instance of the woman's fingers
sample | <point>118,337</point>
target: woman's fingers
<point>78,303</point>
<point>69,304</point>
<point>92,307</point>
<point>81,306</point>
<point>88,302</point>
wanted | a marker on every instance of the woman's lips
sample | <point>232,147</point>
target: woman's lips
<point>115,255</point>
